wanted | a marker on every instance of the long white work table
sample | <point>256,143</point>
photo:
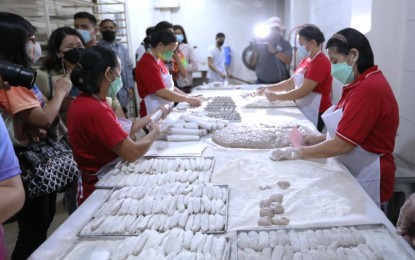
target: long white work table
<point>322,193</point>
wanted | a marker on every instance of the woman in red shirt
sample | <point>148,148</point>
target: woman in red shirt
<point>310,86</point>
<point>154,82</point>
<point>95,134</point>
<point>362,126</point>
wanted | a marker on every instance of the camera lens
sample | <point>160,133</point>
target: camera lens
<point>17,75</point>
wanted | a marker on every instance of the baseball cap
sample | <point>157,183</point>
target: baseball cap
<point>275,22</point>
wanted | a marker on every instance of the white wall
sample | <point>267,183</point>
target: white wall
<point>399,57</point>
<point>202,19</point>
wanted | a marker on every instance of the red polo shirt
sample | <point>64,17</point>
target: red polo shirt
<point>148,74</point>
<point>370,119</point>
<point>318,70</point>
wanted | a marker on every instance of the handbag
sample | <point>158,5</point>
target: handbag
<point>47,167</point>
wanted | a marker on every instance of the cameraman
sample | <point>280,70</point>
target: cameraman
<point>27,120</point>
<point>272,57</point>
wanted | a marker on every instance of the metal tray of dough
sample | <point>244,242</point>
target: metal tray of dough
<point>89,235</point>
<point>374,234</point>
<point>89,248</point>
<point>106,171</point>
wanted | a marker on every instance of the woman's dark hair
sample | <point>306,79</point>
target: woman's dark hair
<point>150,30</point>
<point>348,39</point>
<point>179,27</point>
<point>52,61</point>
<point>163,25</point>
<point>16,31</point>
<point>89,74</point>
<point>311,32</point>
<point>164,36</point>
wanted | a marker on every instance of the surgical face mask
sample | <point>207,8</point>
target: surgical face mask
<point>302,51</point>
<point>33,51</point>
<point>108,35</point>
<point>179,37</point>
<point>73,55</point>
<point>86,35</point>
<point>343,72</point>
<point>167,55</point>
<point>115,86</point>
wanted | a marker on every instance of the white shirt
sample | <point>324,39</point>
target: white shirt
<point>218,57</point>
<point>140,52</point>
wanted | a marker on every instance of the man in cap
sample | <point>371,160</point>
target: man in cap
<point>272,58</point>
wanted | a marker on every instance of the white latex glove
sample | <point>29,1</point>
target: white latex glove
<point>289,153</point>
<point>406,220</point>
<point>309,139</point>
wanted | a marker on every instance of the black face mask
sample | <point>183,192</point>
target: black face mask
<point>220,43</point>
<point>72,56</point>
<point>108,35</point>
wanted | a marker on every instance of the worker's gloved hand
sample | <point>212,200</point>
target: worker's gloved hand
<point>289,153</point>
<point>406,220</point>
<point>310,139</point>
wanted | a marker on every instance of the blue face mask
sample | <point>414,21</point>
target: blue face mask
<point>302,51</point>
<point>115,86</point>
<point>179,37</point>
<point>343,72</point>
<point>86,35</point>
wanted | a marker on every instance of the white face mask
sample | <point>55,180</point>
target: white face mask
<point>34,51</point>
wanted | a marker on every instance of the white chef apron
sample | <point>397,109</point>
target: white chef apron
<point>153,102</point>
<point>364,165</point>
<point>310,104</point>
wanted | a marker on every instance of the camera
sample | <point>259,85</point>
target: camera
<point>17,75</point>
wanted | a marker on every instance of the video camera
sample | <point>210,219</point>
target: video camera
<point>17,75</point>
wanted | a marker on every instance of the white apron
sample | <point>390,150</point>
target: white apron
<point>310,104</point>
<point>153,102</point>
<point>364,165</point>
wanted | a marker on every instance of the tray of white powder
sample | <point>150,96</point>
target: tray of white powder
<point>369,241</point>
<point>157,170</point>
<point>129,211</point>
<point>152,245</point>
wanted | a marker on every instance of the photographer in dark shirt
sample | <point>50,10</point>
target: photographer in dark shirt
<point>272,55</point>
